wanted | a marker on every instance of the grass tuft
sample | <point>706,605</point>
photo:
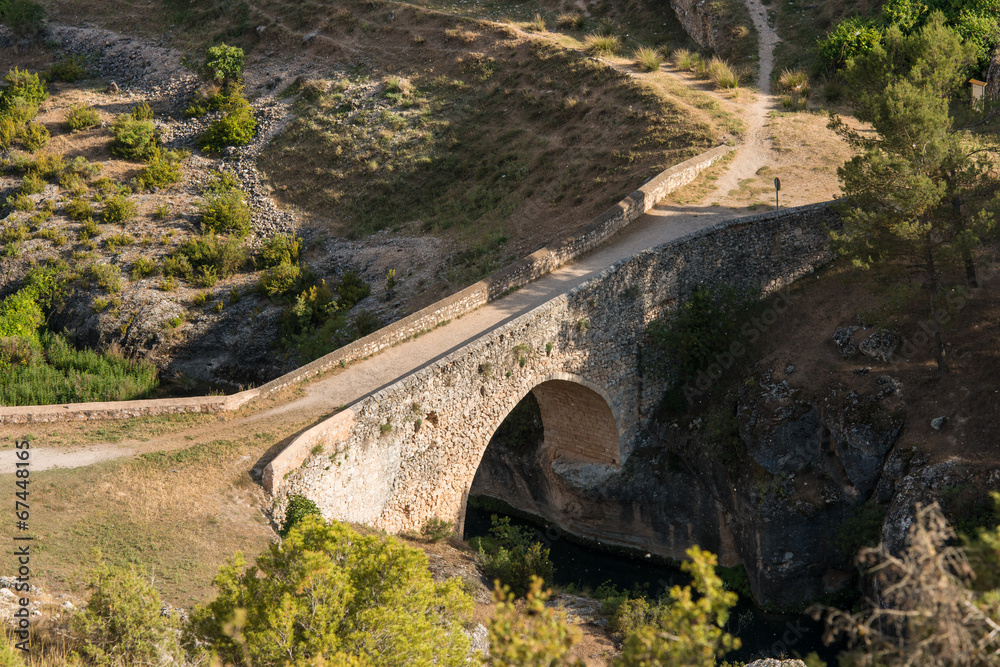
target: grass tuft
<point>648,59</point>
<point>601,45</point>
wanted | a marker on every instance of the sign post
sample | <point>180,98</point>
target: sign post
<point>777,189</point>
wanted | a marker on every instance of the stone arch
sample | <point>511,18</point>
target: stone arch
<point>579,423</point>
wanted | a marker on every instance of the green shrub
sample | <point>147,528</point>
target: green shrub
<point>114,241</point>
<point>530,634</point>
<point>34,136</point>
<point>177,265</point>
<point>142,267</point>
<point>118,209</point>
<point>89,229</point>
<point>8,132</point>
<point>649,60</point>
<point>162,212</point>
<point>224,64</point>
<point>134,139</point>
<point>122,621</point>
<point>81,117</point>
<point>79,209</point>
<point>209,255</point>
<point>142,112</point>
<point>280,249</point>
<point>850,38</point>
<point>513,557</point>
<point>20,315</point>
<point>688,629</point>
<point>106,276</point>
<point>20,111</point>
<point>299,507</point>
<point>327,594</point>
<point>158,173</point>
<point>226,213</point>
<point>48,166</point>
<point>52,235</point>
<point>21,202</point>
<point>24,85</point>
<point>235,128</point>
<point>436,529</point>
<point>25,18</point>
<point>351,289</point>
<point>600,44</point>
<point>32,184</point>
<point>69,70</point>
<point>279,280</point>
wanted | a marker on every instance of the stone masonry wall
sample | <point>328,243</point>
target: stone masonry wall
<point>409,453</point>
<point>518,274</point>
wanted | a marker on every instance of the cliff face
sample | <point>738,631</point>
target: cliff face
<point>697,21</point>
<point>768,480</point>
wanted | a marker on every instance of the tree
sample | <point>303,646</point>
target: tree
<point>224,65</point>
<point>536,636</point>
<point>920,193</point>
<point>327,593</point>
<point>687,630</point>
<point>925,612</point>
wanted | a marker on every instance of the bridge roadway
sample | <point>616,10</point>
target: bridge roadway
<point>343,387</point>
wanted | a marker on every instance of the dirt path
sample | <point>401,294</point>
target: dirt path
<point>756,151</point>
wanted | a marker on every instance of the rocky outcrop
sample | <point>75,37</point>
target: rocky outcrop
<point>697,21</point>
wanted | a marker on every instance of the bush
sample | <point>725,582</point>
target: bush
<point>281,279</point>
<point>299,507</point>
<point>118,209</point>
<point>114,241</point>
<point>722,75</point>
<point>852,37</point>
<point>226,213</point>
<point>32,184</point>
<point>280,249</point>
<point>329,594</point>
<point>8,132</point>
<point>134,139</point>
<point>69,70</point>
<point>142,112</point>
<point>236,128</point>
<point>437,529</point>
<point>20,111</point>
<point>122,622</point>
<point>688,629</point>
<point>24,85</point>
<point>106,276</point>
<point>25,18</point>
<point>208,255</point>
<point>648,59</point>
<point>513,557</point>
<point>80,117</point>
<point>142,267</point>
<point>34,136</point>
<point>795,81</point>
<point>224,64</point>
<point>535,635</point>
<point>599,44</point>
<point>158,173</point>
<point>79,209</point>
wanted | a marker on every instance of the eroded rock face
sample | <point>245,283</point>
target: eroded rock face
<point>697,22</point>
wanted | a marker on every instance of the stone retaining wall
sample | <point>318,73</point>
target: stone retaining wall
<point>409,452</point>
<point>519,273</point>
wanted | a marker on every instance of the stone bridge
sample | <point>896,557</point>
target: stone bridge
<point>409,452</point>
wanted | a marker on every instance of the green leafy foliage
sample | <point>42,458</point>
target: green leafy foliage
<point>224,64</point>
<point>535,636</point>
<point>118,209</point>
<point>280,249</point>
<point>34,136</point>
<point>299,507</point>
<point>142,112</point>
<point>687,629</point>
<point>235,128</point>
<point>123,621</point>
<point>24,18</point>
<point>162,169</point>
<point>134,139</point>
<point>210,254</point>
<point>512,556</point>
<point>24,85</point>
<point>226,213</point>
<point>329,593</point>
<point>69,70</point>
<point>81,117</point>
